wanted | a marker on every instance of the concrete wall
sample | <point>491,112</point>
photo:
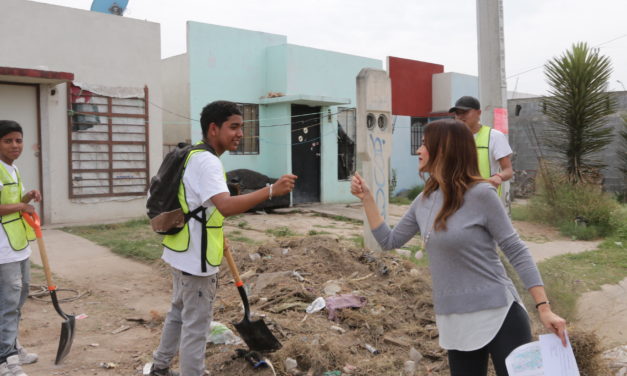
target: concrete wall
<point>175,87</point>
<point>525,147</point>
<point>449,87</point>
<point>98,49</point>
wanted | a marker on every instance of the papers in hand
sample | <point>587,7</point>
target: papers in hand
<point>543,358</point>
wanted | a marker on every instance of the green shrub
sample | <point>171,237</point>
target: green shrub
<point>580,232</point>
<point>581,210</point>
<point>400,200</point>
<point>618,221</point>
<point>414,192</point>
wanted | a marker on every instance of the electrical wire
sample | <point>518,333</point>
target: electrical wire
<point>541,66</point>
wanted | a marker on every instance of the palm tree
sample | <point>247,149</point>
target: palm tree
<point>577,106</point>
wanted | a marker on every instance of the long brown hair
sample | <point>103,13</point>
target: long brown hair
<point>452,166</point>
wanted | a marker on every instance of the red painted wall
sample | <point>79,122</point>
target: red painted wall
<point>411,86</point>
<point>35,73</point>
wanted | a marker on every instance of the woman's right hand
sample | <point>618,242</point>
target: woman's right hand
<point>359,188</point>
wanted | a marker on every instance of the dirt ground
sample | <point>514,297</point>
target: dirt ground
<point>125,302</point>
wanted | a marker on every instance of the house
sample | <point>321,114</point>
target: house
<point>298,105</point>
<point>85,87</point>
<point>421,92</point>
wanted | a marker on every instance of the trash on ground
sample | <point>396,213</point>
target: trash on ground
<point>343,301</point>
<point>220,334</point>
<point>316,305</point>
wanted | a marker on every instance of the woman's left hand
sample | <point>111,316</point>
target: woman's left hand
<point>553,322</point>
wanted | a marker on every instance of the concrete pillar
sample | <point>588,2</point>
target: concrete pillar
<point>492,83</point>
<point>374,139</point>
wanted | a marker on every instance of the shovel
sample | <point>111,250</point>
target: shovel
<point>256,333</point>
<point>67,326</point>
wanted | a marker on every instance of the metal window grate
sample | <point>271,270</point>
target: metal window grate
<point>417,129</point>
<point>346,133</point>
<point>108,145</point>
<point>249,144</point>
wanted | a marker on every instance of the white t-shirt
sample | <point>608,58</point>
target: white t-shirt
<point>499,148</point>
<point>203,179</point>
<point>7,254</point>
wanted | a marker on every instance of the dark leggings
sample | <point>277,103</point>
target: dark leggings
<point>515,331</point>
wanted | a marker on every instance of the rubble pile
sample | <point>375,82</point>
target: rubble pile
<point>389,330</point>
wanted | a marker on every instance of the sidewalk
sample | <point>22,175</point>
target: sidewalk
<point>92,266</point>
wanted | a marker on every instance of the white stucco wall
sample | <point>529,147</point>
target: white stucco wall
<point>175,86</point>
<point>99,49</point>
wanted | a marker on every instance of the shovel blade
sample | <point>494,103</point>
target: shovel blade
<point>257,335</point>
<point>67,336</point>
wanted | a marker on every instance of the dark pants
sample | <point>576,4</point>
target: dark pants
<point>515,331</point>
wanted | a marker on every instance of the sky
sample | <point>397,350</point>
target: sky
<point>442,32</point>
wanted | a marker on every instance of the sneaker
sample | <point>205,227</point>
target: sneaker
<point>25,356</point>
<point>4,370</point>
<point>13,363</point>
<point>162,372</point>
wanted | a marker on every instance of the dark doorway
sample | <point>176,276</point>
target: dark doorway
<point>306,153</point>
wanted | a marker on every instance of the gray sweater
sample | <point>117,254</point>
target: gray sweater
<point>467,273</point>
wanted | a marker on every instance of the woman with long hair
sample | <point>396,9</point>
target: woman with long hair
<point>461,219</point>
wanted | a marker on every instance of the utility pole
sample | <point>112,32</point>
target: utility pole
<point>492,84</point>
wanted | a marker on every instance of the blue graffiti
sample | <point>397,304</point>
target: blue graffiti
<point>379,174</point>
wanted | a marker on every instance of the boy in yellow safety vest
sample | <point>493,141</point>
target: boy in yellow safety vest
<point>14,250</point>
<point>194,270</point>
<point>493,150</point>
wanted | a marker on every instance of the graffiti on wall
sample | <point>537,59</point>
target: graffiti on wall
<point>380,178</point>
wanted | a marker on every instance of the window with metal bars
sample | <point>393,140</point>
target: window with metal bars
<point>249,144</point>
<point>346,130</point>
<point>108,145</point>
<point>417,129</point>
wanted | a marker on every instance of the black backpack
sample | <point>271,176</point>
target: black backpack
<point>164,210</point>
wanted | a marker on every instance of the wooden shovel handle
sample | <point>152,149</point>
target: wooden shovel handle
<point>229,259</point>
<point>35,223</point>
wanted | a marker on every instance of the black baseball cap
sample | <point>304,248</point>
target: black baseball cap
<point>466,103</point>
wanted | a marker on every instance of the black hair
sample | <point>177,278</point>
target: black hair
<point>8,126</point>
<point>217,112</point>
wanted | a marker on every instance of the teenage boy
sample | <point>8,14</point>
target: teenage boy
<point>194,271</point>
<point>14,250</point>
<point>493,150</point>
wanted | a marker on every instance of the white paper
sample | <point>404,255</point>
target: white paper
<point>558,360</point>
<point>525,360</point>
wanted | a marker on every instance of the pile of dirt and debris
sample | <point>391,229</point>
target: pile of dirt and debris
<point>285,277</point>
<point>389,331</point>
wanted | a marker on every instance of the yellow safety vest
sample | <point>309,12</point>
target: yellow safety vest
<point>17,230</point>
<point>482,141</point>
<point>179,242</point>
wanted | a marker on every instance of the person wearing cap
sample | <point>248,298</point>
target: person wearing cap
<point>14,249</point>
<point>493,150</point>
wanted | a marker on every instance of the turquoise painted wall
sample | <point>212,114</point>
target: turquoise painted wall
<point>402,161</point>
<point>230,64</point>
